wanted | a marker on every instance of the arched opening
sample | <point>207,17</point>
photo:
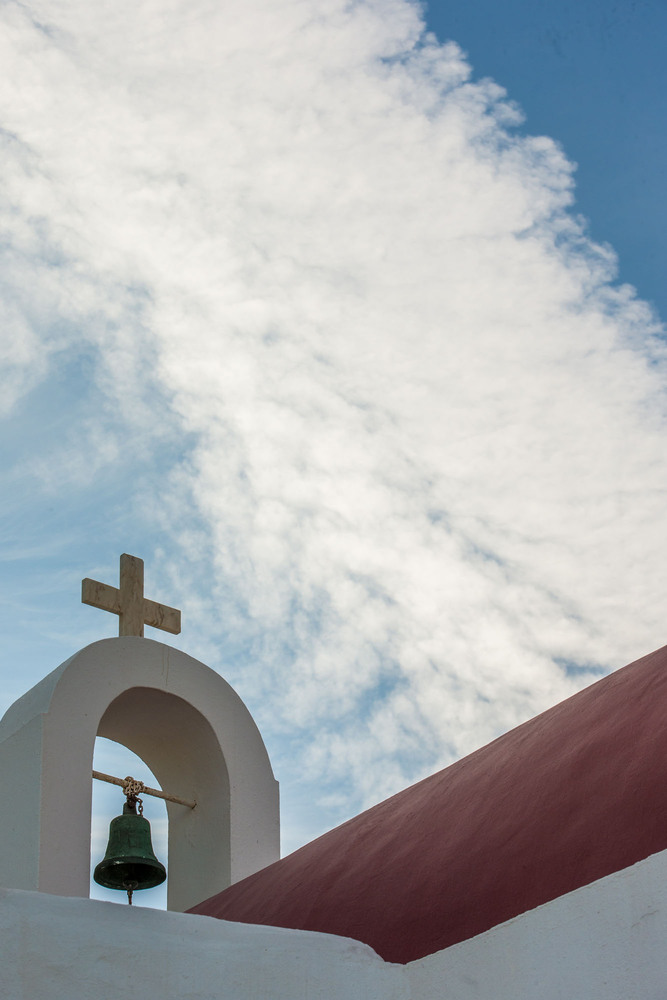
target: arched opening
<point>115,759</point>
<point>180,748</point>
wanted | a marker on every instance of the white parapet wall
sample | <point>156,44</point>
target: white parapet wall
<point>606,941</point>
<point>62,948</point>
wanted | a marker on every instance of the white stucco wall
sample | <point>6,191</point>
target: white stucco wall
<point>607,940</point>
<point>187,724</point>
<point>57,948</point>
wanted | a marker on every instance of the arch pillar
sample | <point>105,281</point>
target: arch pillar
<point>184,721</point>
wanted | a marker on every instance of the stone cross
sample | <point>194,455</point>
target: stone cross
<point>128,601</point>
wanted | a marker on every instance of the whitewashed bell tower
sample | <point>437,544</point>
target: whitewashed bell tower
<point>187,724</point>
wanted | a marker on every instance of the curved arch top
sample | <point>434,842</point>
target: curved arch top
<point>178,715</point>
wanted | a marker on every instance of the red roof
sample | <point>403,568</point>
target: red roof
<point>570,796</point>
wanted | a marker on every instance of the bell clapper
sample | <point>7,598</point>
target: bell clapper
<point>129,888</point>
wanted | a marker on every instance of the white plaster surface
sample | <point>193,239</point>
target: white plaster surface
<point>190,728</point>
<point>605,941</point>
<point>54,948</point>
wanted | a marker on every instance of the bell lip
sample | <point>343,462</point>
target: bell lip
<point>98,876</point>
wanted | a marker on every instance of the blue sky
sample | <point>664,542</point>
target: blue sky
<point>300,307</point>
<point>591,75</point>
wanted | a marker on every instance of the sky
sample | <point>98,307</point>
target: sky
<point>346,317</point>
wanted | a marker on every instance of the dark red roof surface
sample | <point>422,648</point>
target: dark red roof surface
<point>570,796</point>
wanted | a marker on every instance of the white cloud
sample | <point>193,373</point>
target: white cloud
<point>422,430</point>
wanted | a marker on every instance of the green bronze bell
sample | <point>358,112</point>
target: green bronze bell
<point>129,862</point>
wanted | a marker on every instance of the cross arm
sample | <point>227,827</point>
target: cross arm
<point>161,616</point>
<point>101,595</point>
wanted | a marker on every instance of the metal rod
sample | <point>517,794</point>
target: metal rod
<point>146,790</point>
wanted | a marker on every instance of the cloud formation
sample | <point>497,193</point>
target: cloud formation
<point>402,408</point>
